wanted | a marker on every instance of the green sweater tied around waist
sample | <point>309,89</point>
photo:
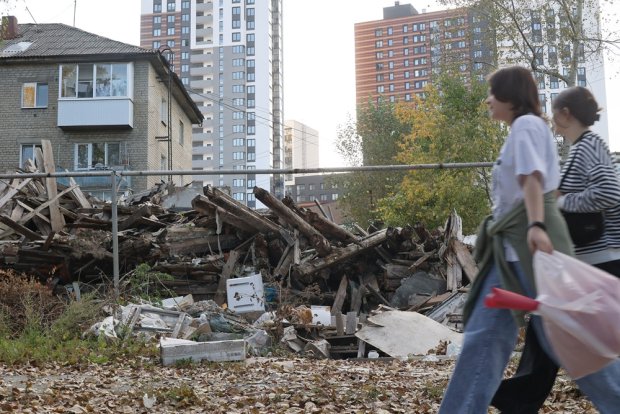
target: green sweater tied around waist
<point>489,249</point>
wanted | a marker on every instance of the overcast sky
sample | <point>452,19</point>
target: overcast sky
<point>319,66</point>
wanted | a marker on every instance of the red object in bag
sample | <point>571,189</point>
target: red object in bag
<point>505,299</point>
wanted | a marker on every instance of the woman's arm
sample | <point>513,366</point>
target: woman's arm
<point>537,238</point>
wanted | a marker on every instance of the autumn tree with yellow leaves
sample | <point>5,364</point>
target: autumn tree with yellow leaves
<point>449,125</point>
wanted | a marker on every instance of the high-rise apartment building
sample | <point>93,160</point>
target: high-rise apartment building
<point>301,149</point>
<point>395,57</point>
<point>228,54</point>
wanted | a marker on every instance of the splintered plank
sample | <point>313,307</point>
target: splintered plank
<point>57,219</point>
<point>78,195</point>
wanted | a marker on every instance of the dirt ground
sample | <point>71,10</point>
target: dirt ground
<point>263,385</point>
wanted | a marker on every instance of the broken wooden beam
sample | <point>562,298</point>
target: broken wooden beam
<point>320,243</point>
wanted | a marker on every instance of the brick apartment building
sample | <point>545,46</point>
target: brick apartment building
<point>102,104</point>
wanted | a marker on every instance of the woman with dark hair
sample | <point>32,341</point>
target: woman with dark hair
<point>589,183</point>
<point>525,218</point>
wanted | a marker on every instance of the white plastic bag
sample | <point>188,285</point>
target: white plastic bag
<point>580,306</point>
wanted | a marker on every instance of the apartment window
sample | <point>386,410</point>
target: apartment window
<point>554,82</point>
<point>251,77</point>
<point>170,31</point>
<point>238,62</point>
<point>380,77</point>
<point>251,103</point>
<point>250,141</point>
<point>390,31</point>
<point>156,32</point>
<point>34,95</point>
<point>379,43</point>
<point>196,157</point>
<point>405,28</point>
<point>170,43</point>
<point>378,32</point>
<point>238,155</point>
<point>406,51</point>
<point>238,102</point>
<point>185,4</point>
<point>251,156</point>
<point>236,24</point>
<point>184,30</point>
<point>184,68</point>
<point>301,187</point>
<point>239,196</point>
<point>27,153</point>
<point>251,183</point>
<point>237,115</point>
<point>156,44</point>
<point>87,80</point>
<point>250,63</point>
<point>405,40</point>
<point>170,18</point>
<point>156,8</point>
<point>238,182</point>
<point>171,6</point>
<point>181,133</point>
<point>323,197</point>
<point>238,49</point>
<point>379,55</point>
<point>380,89</point>
<point>407,97</point>
<point>251,131</point>
<point>185,17</point>
<point>156,19</point>
<point>406,74</point>
<point>236,37</point>
<point>184,55</point>
<point>237,129</point>
<point>97,155</point>
<point>390,42</point>
<point>334,196</point>
<point>238,75</point>
<point>238,89</point>
<point>236,11</point>
<point>238,142</point>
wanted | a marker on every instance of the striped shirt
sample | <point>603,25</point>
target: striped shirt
<point>592,184</point>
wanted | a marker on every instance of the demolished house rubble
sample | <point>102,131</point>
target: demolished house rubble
<point>319,281</point>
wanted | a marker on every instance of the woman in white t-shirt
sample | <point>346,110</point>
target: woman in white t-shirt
<point>525,218</point>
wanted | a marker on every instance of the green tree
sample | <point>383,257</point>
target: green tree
<point>372,140</point>
<point>451,125</point>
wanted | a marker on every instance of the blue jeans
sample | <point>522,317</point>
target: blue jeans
<point>489,339</point>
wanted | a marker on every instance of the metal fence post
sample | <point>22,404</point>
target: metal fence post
<point>115,261</point>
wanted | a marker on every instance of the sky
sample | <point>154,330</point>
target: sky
<point>319,53</point>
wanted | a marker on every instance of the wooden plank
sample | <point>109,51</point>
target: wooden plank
<point>351,325</point>
<point>179,325</point>
<point>357,294</point>
<point>227,271</point>
<point>17,213</point>
<point>57,219</point>
<point>339,323</point>
<point>15,187</point>
<point>340,296</point>
<point>465,259</point>
<point>78,195</point>
<point>29,234</point>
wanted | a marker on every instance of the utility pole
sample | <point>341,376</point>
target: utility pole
<point>168,138</point>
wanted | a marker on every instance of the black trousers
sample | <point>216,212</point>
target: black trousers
<point>527,390</point>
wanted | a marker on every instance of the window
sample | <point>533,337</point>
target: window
<point>251,156</point>
<point>170,31</point>
<point>27,153</point>
<point>170,43</point>
<point>171,6</point>
<point>97,155</point>
<point>236,11</point>
<point>236,37</point>
<point>156,44</point>
<point>156,19</point>
<point>301,187</point>
<point>554,82</point>
<point>184,30</point>
<point>170,18</point>
<point>238,62</point>
<point>238,142</point>
<point>156,32</point>
<point>239,196</point>
<point>238,128</point>
<point>238,182</point>
<point>379,43</point>
<point>251,142</point>
<point>251,183</point>
<point>238,49</point>
<point>34,95</point>
<point>184,68</point>
<point>323,197</point>
<point>334,196</point>
<point>238,88</point>
<point>185,17</point>
<point>87,80</point>
<point>181,133</point>
<point>156,8</point>
<point>238,155</point>
<point>185,4</point>
<point>237,115</point>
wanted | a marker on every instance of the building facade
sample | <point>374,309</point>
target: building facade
<point>102,104</point>
<point>228,54</point>
<point>395,57</point>
<point>301,149</point>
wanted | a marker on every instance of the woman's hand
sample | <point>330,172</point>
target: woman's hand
<point>538,239</point>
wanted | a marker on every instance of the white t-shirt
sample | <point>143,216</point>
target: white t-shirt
<point>530,147</point>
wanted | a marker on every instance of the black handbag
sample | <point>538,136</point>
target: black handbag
<point>584,228</point>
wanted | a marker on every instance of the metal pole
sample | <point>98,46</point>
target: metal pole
<point>115,261</point>
<point>170,65</point>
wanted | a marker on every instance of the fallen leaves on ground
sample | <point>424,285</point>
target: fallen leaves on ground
<point>262,385</point>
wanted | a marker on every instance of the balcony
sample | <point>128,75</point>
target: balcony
<point>95,113</point>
